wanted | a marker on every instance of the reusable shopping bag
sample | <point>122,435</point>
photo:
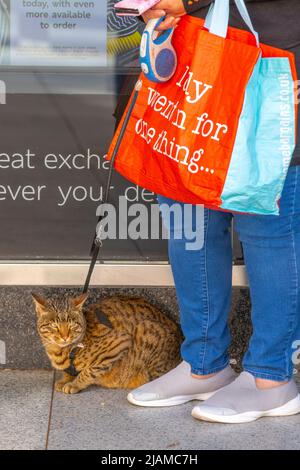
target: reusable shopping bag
<point>222,131</point>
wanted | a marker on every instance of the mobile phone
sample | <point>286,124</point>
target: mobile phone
<point>134,7</point>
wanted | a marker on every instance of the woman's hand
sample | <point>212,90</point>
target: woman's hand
<point>172,9</point>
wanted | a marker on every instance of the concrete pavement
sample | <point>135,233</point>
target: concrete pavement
<point>32,416</point>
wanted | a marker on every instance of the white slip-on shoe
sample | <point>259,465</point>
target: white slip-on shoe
<point>178,387</point>
<point>242,402</point>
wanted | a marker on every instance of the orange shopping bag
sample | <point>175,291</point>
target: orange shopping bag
<point>211,135</point>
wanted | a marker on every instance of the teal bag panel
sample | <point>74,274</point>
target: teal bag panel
<point>265,141</point>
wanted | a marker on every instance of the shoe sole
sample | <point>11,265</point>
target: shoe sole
<point>292,407</point>
<point>174,401</point>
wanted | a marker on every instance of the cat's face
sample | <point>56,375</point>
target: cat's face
<point>60,321</point>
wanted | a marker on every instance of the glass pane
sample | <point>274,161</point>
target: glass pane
<point>68,68</point>
<point>66,92</point>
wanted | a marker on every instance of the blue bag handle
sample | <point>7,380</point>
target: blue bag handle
<point>217,19</point>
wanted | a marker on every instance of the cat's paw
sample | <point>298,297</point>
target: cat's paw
<point>70,388</point>
<point>59,386</point>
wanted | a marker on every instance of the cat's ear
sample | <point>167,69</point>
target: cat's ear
<point>78,301</point>
<point>40,303</point>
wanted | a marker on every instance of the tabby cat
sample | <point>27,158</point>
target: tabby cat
<point>119,342</point>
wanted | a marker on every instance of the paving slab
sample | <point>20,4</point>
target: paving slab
<point>102,419</point>
<point>25,399</point>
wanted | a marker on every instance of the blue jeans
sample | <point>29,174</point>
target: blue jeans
<point>203,280</point>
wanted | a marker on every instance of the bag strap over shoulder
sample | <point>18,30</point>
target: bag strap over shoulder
<point>217,19</point>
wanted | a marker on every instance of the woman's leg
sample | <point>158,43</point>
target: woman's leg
<point>272,256</point>
<point>203,280</point>
<point>202,271</point>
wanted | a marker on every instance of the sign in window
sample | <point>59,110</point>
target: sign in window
<point>66,33</point>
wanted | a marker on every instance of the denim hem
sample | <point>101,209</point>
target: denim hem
<point>198,371</point>
<point>265,375</point>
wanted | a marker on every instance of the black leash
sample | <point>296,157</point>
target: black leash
<point>71,370</point>
<point>97,241</point>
